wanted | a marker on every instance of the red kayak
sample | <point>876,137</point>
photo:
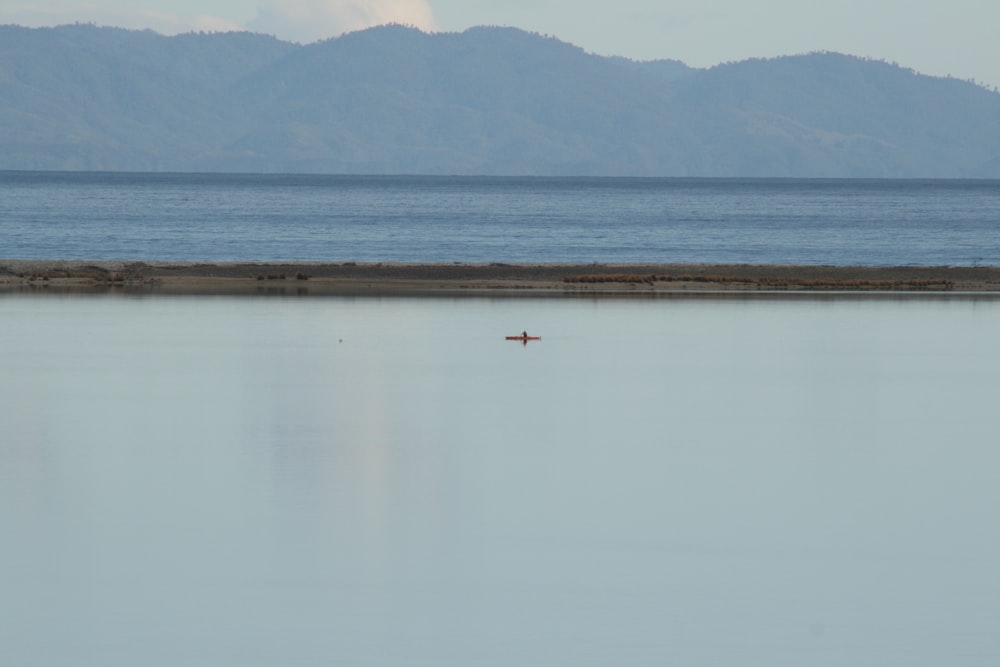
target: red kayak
<point>524,337</point>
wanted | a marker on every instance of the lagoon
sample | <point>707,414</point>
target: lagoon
<point>386,481</point>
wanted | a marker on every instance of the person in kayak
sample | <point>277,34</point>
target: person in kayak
<point>524,334</point>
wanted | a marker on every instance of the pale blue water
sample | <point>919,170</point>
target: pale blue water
<point>269,481</point>
<point>772,482</point>
<point>212,217</point>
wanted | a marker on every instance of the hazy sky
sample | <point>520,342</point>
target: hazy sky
<point>957,37</point>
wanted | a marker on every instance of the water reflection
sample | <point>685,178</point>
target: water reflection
<point>388,481</point>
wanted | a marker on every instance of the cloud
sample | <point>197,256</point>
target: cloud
<point>311,20</point>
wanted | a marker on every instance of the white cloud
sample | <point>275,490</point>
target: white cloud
<point>311,20</point>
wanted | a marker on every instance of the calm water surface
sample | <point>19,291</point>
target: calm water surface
<point>209,481</point>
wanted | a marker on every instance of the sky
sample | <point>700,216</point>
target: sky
<point>936,37</point>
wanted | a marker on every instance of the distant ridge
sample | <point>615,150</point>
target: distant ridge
<point>484,101</point>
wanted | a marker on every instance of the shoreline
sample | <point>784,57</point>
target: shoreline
<point>478,279</point>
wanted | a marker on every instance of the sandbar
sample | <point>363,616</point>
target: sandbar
<point>476,279</point>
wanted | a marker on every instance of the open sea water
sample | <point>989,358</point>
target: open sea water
<point>219,217</point>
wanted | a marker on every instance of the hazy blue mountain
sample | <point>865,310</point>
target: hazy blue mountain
<point>830,114</point>
<point>664,70</point>
<point>81,97</point>
<point>485,101</point>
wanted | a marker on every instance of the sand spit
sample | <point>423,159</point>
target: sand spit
<point>354,278</point>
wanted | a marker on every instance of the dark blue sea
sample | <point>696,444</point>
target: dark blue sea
<point>226,217</point>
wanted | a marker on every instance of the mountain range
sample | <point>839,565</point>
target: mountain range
<point>490,100</point>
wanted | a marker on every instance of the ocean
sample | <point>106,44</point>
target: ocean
<point>253,217</point>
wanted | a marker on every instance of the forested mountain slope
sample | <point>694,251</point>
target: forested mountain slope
<point>485,101</point>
